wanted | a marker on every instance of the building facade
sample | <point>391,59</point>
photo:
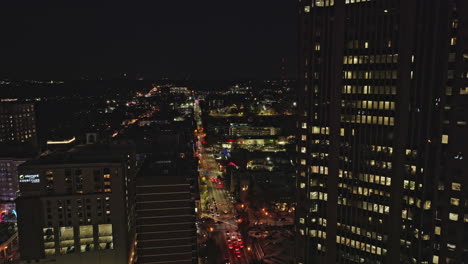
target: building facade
<point>77,207</point>
<point>9,187</point>
<point>382,113</point>
<point>9,177</point>
<point>240,130</point>
<point>17,123</point>
<point>165,212</point>
<point>11,156</point>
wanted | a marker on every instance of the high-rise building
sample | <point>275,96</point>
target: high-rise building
<point>77,206</point>
<point>11,156</point>
<point>166,211</point>
<point>382,152</point>
<point>9,177</point>
<point>17,123</point>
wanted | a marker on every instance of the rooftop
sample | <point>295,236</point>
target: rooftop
<point>93,153</point>
<point>17,150</point>
<point>167,169</point>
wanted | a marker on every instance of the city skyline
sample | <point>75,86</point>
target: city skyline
<point>248,132</point>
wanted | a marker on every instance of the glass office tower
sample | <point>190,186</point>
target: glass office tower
<point>382,146</point>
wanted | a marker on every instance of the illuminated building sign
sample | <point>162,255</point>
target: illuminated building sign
<point>29,178</point>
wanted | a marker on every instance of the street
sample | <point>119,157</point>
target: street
<point>223,211</point>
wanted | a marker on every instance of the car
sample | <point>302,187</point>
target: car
<point>229,240</point>
<point>237,249</point>
<point>227,233</point>
<point>225,211</point>
<point>230,246</point>
<point>217,214</point>
<point>238,255</point>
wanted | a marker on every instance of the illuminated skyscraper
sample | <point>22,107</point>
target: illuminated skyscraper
<point>382,165</point>
<point>17,123</point>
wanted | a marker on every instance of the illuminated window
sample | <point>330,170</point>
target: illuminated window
<point>455,201</point>
<point>456,186</point>
<point>105,236</point>
<point>302,185</point>
<point>66,240</point>
<point>437,230</point>
<point>49,241</point>
<point>464,91</point>
<point>314,195</point>
<point>445,139</point>
<point>303,137</point>
<point>302,220</point>
<point>453,41</point>
<point>86,238</point>
<point>313,233</point>
<point>451,247</point>
<point>427,205</point>
<point>317,47</point>
<point>307,9</point>
<point>303,149</point>
<point>304,125</point>
<point>453,216</point>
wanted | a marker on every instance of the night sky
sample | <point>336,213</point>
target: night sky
<point>196,40</point>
